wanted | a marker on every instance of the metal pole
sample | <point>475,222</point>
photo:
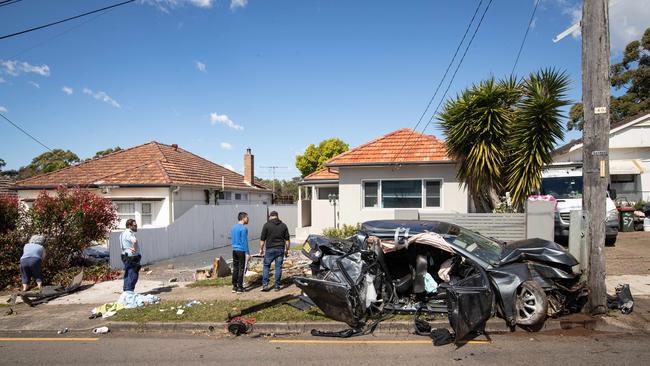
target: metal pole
<point>595,155</point>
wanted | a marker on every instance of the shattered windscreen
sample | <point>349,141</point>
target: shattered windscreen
<point>480,246</point>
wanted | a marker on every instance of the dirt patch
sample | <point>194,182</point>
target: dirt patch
<point>630,255</point>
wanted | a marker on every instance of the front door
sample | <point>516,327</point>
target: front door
<point>470,304</point>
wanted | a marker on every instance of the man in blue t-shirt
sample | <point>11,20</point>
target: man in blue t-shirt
<point>239,240</point>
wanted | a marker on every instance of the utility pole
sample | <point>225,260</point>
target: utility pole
<point>272,169</point>
<point>595,153</point>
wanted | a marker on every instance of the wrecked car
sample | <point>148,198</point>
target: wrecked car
<point>415,267</point>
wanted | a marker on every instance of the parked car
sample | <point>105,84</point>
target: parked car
<point>413,267</point>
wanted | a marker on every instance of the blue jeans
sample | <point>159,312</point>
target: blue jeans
<point>274,254</point>
<point>131,274</point>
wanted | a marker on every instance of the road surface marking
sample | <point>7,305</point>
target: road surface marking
<point>45,339</point>
<point>313,341</point>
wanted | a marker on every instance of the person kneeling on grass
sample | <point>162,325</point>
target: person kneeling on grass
<point>274,245</point>
<point>31,263</point>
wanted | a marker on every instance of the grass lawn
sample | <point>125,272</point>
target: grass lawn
<point>227,281</point>
<point>215,311</point>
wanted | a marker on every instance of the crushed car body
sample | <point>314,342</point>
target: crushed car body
<point>413,267</point>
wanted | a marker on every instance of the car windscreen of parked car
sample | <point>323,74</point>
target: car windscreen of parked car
<point>487,250</point>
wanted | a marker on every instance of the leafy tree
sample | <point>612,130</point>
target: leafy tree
<point>110,150</point>
<point>631,74</point>
<point>48,162</point>
<point>3,163</point>
<point>283,187</point>
<point>314,157</point>
<point>502,133</point>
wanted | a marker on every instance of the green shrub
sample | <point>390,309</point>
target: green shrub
<point>345,231</point>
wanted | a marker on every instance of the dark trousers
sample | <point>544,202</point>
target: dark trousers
<point>238,268</point>
<point>131,274</point>
<point>30,267</point>
<point>273,254</point>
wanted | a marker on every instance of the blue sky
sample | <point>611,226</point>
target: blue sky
<point>218,76</point>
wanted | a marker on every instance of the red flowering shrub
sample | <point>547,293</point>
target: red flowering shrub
<point>12,218</point>
<point>70,220</point>
<point>9,213</point>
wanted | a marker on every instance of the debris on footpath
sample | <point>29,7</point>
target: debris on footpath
<point>127,300</point>
<point>101,330</point>
<point>622,300</point>
<point>47,293</point>
<point>238,325</point>
<point>63,331</point>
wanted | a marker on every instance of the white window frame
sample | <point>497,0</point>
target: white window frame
<point>423,192</point>
<point>326,186</point>
<point>152,206</point>
<point>137,213</point>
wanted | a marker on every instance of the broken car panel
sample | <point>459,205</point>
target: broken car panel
<point>397,266</point>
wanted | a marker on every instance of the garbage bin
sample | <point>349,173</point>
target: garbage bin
<point>627,219</point>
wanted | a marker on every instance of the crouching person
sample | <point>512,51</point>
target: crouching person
<point>31,263</point>
<point>130,255</point>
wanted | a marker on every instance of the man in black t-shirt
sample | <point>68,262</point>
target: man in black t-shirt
<point>274,245</point>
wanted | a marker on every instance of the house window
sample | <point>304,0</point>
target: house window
<point>221,195</point>
<point>125,211</point>
<point>238,196</point>
<point>324,192</point>
<point>146,214</point>
<point>401,193</point>
<point>227,196</point>
<point>241,196</point>
<point>623,178</point>
<point>432,190</point>
<point>370,194</point>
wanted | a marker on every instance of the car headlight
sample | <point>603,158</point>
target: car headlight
<point>612,215</point>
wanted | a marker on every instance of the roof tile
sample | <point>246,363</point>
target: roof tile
<point>401,146</point>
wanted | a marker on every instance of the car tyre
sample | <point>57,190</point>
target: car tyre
<point>610,242</point>
<point>531,306</point>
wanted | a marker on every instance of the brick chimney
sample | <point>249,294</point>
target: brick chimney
<point>249,170</point>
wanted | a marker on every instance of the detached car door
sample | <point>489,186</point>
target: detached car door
<point>470,303</point>
<point>334,299</point>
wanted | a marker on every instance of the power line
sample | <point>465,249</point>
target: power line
<point>444,76</point>
<point>65,20</point>
<point>460,62</point>
<point>9,2</point>
<point>25,132</point>
<point>523,41</point>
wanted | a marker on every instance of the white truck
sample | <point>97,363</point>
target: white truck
<point>564,183</point>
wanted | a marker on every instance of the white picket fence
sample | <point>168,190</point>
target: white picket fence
<point>502,226</point>
<point>199,229</point>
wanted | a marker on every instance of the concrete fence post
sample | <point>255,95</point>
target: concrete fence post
<point>540,220</point>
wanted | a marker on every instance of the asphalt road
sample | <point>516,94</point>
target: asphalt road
<point>560,348</point>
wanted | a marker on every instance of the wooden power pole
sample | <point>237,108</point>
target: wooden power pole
<point>595,153</point>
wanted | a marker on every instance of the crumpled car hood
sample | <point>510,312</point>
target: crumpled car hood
<point>538,250</point>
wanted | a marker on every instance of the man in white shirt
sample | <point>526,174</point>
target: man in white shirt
<point>130,255</point>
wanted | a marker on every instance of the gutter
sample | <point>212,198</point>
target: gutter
<point>385,164</point>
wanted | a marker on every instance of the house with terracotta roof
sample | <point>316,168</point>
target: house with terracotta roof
<point>398,175</point>
<point>5,187</point>
<point>629,157</point>
<point>153,183</point>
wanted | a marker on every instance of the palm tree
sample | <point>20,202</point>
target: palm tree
<point>502,134</point>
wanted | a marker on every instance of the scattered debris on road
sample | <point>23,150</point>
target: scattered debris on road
<point>101,330</point>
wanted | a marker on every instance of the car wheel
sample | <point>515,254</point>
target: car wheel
<point>610,242</point>
<point>531,305</point>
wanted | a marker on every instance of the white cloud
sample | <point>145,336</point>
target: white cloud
<point>102,96</point>
<point>15,68</point>
<point>34,84</point>
<point>68,90</point>
<point>3,109</point>
<point>228,166</point>
<point>200,66</point>
<point>234,4</point>
<point>2,80</point>
<point>628,19</point>
<point>167,5</point>
<point>225,145</point>
<point>224,120</point>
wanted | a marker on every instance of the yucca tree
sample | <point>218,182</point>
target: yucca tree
<point>538,127</point>
<point>502,133</point>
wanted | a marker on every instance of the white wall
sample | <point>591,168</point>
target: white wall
<point>453,196</point>
<point>187,197</point>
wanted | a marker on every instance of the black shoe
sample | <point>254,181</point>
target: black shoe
<point>266,289</point>
<point>234,289</point>
<point>240,290</point>
<point>276,289</point>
